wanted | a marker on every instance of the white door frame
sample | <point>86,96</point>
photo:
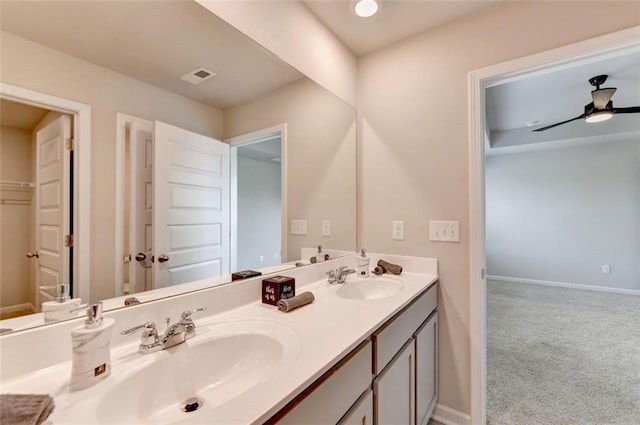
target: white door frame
<point>82,175</point>
<point>122,120</point>
<point>235,142</point>
<point>591,50</point>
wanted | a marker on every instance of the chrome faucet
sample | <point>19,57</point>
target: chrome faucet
<point>175,334</point>
<point>339,275</point>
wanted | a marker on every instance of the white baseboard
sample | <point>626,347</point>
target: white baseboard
<point>449,416</point>
<point>566,285</point>
<point>16,307</point>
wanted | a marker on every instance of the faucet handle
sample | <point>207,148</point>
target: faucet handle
<point>149,339</point>
<point>186,315</point>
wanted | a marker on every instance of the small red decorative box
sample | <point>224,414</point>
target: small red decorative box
<point>277,288</point>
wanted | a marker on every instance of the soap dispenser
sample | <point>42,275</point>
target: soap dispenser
<point>319,255</point>
<point>91,359</point>
<point>362,264</point>
<point>60,308</point>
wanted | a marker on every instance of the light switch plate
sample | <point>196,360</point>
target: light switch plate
<point>326,228</point>
<point>298,227</point>
<point>444,231</point>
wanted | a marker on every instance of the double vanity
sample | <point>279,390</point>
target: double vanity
<point>363,352</point>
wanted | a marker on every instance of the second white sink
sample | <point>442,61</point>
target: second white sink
<point>372,288</point>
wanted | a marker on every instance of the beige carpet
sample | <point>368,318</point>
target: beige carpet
<point>561,356</point>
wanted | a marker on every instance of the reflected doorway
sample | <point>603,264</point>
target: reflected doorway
<point>36,177</point>
<point>258,232</point>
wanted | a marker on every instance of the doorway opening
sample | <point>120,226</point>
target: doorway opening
<point>597,49</point>
<point>258,194</point>
<point>45,187</point>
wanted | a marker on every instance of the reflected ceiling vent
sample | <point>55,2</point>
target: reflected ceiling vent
<point>197,76</point>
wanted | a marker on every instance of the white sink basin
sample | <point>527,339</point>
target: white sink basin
<point>372,288</point>
<point>222,362</point>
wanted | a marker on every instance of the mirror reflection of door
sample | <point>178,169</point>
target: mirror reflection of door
<point>176,219</point>
<point>35,206</point>
<point>257,206</point>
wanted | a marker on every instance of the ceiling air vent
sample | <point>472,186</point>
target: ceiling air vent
<point>197,76</point>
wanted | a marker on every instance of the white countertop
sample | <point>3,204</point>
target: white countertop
<point>327,330</point>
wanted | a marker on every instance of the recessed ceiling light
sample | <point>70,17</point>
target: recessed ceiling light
<point>365,8</point>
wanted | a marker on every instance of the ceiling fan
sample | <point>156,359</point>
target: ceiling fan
<point>601,109</point>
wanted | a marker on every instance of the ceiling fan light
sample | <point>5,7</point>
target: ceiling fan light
<point>365,8</point>
<point>599,116</point>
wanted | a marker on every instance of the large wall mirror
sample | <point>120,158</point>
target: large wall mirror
<point>209,155</point>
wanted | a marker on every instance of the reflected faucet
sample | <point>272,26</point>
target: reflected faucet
<point>175,334</point>
<point>339,275</point>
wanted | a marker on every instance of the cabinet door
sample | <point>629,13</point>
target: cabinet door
<point>361,413</point>
<point>394,389</point>
<point>426,341</point>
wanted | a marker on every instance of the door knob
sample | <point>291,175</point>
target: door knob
<point>140,256</point>
<point>33,254</point>
<point>163,258</point>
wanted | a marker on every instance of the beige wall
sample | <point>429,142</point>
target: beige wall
<point>413,135</point>
<point>321,151</point>
<point>15,219</point>
<point>294,34</point>
<point>33,66</point>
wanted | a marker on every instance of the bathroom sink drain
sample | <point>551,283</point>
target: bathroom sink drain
<point>191,404</point>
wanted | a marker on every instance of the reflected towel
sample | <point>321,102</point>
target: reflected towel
<point>295,302</point>
<point>25,409</point>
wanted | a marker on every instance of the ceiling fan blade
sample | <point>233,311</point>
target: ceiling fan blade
<point>629,110</point>
<point>559,123</point>
<point>601,97</point>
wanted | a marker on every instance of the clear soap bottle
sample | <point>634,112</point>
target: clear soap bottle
<point>362,264</point>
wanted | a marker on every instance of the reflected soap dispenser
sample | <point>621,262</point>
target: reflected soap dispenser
<point>362,264</point>
<point>91,360</point>
<point>319,255</point>
<point>60,308</point>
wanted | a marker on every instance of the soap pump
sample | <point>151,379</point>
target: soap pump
<point>362,264</point>
<point>61,306</point>
<point>91,360</point>
<point>319,255</point>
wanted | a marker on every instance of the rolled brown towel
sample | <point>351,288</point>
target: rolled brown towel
<point>25,409</point>
<point>390,268</point>
<point>289,304</point>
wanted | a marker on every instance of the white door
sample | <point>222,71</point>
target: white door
<point>52,206</point>
<point>426,339</point>
<point>191,206</point>
<point>141,201</point>
<point>394,390</point>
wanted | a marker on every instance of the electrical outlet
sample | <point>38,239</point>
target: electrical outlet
<point>397,231</point>
<point>326,228</point>
<point>606,269</point>
<point>262,258</point>
<point>445,231</point>
<point>298,227</point>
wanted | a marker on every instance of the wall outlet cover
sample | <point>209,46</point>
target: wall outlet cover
<point>397,231</point>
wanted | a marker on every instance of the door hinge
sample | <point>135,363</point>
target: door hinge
<point>126,258</point>
<point>69,144</point>
<point>482,274</point>
<point>68,241</point>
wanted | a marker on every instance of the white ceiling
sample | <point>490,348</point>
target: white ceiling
<point>395,20</point>
<point>558,96</point>
<point>156,42</point>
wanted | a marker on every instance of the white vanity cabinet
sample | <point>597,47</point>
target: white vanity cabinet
<point>331,397</point>
<point>405,362</point>
<point>389,379</point>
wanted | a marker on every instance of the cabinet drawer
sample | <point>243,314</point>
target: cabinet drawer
<point>394,334</point>
<point>329,398</point>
